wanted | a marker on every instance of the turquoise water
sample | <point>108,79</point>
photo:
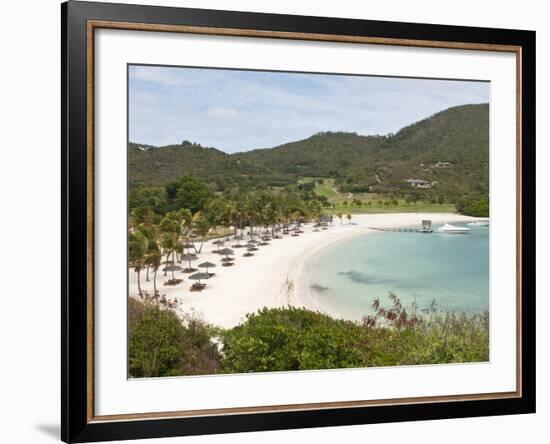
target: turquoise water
<point>452,269</point>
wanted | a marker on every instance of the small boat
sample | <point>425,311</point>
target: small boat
<point>452,229</point>
<point>479,223</point>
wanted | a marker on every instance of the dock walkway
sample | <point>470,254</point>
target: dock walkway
<point>403,230</point>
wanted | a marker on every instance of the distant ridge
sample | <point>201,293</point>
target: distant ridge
<point>458,135</point>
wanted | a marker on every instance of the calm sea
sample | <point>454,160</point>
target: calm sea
<point>452,269</point>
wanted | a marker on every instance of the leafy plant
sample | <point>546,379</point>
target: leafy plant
<point>162,344</point>
<point>288,339</point>
<point>283,339</point>
<point>474,205</point>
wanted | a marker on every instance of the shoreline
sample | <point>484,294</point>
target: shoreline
<point>277,275</point>
<point>306,295</point>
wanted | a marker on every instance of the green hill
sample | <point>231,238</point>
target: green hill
<point>449,151</point>
<point>327,154</point>
<point>149,165</point>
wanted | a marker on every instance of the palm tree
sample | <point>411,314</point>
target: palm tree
<point>339,215</point>
<point>154,259</point>
<point>201,227</point>
<point>169,228</point>
<point>153,255</point>
<point>150,231</point>
<point>185,229</point>
<point>348,217</point>
<point>137,247</point>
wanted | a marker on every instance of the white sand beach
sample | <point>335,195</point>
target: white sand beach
<point>274,276</point>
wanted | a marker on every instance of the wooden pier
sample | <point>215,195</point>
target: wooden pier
<point>403,230</point>
<point>426,228</point>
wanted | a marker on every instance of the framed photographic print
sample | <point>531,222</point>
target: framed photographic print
<point>275,221</point>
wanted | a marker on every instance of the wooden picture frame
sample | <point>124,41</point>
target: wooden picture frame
<point>79,22</point>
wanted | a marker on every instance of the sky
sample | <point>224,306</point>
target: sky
<point>236,110</point>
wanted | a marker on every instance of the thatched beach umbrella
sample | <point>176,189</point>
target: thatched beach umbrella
<point>238,238</point>
<point>217,243</point>
<point>172,267</point>
<point>199,277</point>
<point>207,265</point>
<point>249,251</point>
<point>227,262</point>
<point>167,263</point>
<point>188,245</point>
<point>188,258</point>
<point>226,252</point>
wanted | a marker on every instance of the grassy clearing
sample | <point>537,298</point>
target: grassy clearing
<point>365,203</point>
<point>418,208</point>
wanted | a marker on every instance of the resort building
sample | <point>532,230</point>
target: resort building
<point>424,185</point>
<point>421,183</point>
<point>442,164</point>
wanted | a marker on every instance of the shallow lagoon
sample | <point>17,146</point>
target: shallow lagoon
<point>452,269</point>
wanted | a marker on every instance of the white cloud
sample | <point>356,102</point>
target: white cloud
<point>240,110</point>
<point>223,113</point>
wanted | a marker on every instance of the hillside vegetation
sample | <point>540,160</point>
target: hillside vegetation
<point>448,152</point>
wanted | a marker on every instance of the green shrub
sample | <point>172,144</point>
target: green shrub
<point>297,339</point>
<point>283,339</point>
<point>473,206</point>
<point>160,344</point>
<point>288,339</point>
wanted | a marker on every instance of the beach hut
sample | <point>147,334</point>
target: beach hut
<point>426,226</point>
<point>207,265</point>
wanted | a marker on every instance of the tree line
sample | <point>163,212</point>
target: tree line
<point>163,219</point>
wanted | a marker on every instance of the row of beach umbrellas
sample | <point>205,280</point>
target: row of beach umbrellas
<point>251,246</point>
<point>170,266</point>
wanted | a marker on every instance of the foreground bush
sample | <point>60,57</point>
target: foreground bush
<point>473,205</point>
<point>160,344</point>
<point>397,336</point>
<point>287,339</point>
<point>298,339</point>
<point>291,339</point>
